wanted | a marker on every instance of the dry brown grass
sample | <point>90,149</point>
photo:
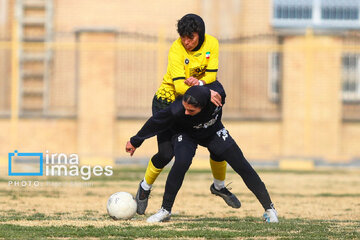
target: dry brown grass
<point>320,195</point>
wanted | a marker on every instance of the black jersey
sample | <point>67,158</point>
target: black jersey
<point>201,126</point>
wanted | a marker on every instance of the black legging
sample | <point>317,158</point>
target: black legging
<point>164,155</point>
<point>184,154</point>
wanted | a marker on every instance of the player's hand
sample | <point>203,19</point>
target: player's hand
<point>191,81</point>
<point>215,98</point>
<point>130,148</point>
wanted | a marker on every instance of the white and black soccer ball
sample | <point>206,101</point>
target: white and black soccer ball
<point>121,205</point>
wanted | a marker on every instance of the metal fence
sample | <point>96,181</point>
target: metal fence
<point>139,67</point>
<point>244,73</point>
<point>250,69</point>
<point>63,82</point>
<point>248,89</point>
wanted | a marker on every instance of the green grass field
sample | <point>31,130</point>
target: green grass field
<point>311,205</point>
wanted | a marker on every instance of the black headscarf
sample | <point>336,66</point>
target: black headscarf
<point>200,94</point>
<point>200,22</point>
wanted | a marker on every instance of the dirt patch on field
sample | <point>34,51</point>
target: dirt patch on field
<point>328,195</point>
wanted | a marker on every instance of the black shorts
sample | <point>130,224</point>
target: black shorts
<point>217,144</point>
<point>157,105</point>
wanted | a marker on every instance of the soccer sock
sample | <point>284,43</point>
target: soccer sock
<point>218,170</point>
<point>145,185</point>
<point>151,174</point>
<point>218,184</point>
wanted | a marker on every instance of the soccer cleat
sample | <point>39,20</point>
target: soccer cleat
<point>162,215</point>
<point>228,197</point>
<point>142,197</point>
<point>270,216</point>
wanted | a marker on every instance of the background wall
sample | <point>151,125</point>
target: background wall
<point>107,59</point>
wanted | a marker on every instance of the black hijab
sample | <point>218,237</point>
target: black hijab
<point>198,96</point>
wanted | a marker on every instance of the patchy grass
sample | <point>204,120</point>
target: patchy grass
<point>12,215</point>
<point>311,205</point>
<point>20,193</point>
<point>195,227</point>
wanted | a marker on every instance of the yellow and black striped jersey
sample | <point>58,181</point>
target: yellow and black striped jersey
<point>182,64</point>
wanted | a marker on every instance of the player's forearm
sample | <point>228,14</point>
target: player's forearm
<point>180,87</point>
<point>147,131</point>
<point>209,77</point>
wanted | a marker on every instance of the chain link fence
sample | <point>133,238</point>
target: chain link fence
<point>250,69</point>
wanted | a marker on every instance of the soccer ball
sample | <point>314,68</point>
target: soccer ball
<point>121,205</point>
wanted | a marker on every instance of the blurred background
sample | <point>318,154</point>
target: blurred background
<point>79,76</point>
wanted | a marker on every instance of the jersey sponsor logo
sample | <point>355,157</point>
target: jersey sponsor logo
<point>217,109</point>
<point>198,72</point>
<point>223,133</point>
<point>207,124</point>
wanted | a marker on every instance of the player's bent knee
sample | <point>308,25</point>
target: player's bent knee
<point>182,164</point>
<point>166,156</point>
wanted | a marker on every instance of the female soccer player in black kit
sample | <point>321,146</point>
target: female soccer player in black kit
<point>195,120</point>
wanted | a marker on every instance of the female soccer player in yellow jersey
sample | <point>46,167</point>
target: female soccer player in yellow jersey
<point>193,60</point>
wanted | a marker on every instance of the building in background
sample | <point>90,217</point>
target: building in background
<point>79,76</point>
